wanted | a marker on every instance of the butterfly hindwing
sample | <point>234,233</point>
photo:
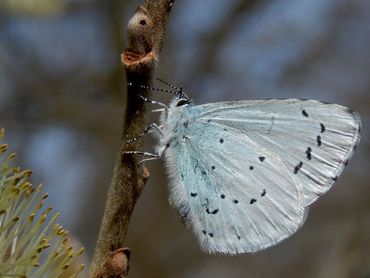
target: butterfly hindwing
<point>235,195</point>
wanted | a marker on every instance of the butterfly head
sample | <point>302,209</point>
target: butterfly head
<point>183,102</point>
<point>182,98</point>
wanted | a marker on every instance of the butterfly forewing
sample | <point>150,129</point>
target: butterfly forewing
<point>313,139</point>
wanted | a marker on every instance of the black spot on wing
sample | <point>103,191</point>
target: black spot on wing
<point>192,194</point>
<point>208,210</point>
<point>204,232</point>
<point>222,196</point>
<point>253,201</point>
<point>318,140</point>
<point>322,128</point>
<point>221,141</point>
<point>235,201</point>
<point>261,158</point>
<point>299,166</point>
<point>251,168</point>
<point>214,211</point>
<point>263,193</point>
<point>204,173</point>
<point>304,113</point>
<point>186,124</point>
<point>210,234</point>
<point>308,153</point>
<point>335,178</point>
<point>213,167</point>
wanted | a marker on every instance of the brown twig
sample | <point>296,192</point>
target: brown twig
<point>145,36</point>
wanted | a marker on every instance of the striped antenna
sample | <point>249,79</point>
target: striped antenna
<point>176,93</point>
<point>169,84</point>
<point>178,90</point>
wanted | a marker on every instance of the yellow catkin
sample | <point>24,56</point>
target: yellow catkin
<point>26,186</point>
<point>28,193</point>
<point>80,251</point>
<point>28,173</point>
<point>31,217</point>
<point>70,254</point>
<point>48,210</point>
<point>42,218</point>
<point>16,191</point>
<point>11,156</point>
<point>28,200</point>
<point>3,148</point>
<point>55,216</point>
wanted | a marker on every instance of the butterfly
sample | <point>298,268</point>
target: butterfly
<point>243,173</point>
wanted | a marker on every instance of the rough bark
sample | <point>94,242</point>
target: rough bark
<point>145,36</point>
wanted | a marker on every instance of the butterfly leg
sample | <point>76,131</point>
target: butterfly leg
<point>152,156</point>
<point>149,128</point>
<point>153,101</point>
<point>148,159</point>
<point>158,110</point>
<point>141,153</point>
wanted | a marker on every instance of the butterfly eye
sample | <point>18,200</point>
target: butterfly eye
<point>182,102</point>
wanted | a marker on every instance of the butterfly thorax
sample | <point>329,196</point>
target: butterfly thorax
<point>174,122</point>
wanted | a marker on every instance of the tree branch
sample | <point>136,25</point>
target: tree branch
<point>145,37</point>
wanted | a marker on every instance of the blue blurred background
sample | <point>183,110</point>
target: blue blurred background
<point>62,99</point>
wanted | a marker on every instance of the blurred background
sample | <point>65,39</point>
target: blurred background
<point>62,97</point>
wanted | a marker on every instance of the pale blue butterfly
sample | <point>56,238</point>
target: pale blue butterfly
<point>243,173</point>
